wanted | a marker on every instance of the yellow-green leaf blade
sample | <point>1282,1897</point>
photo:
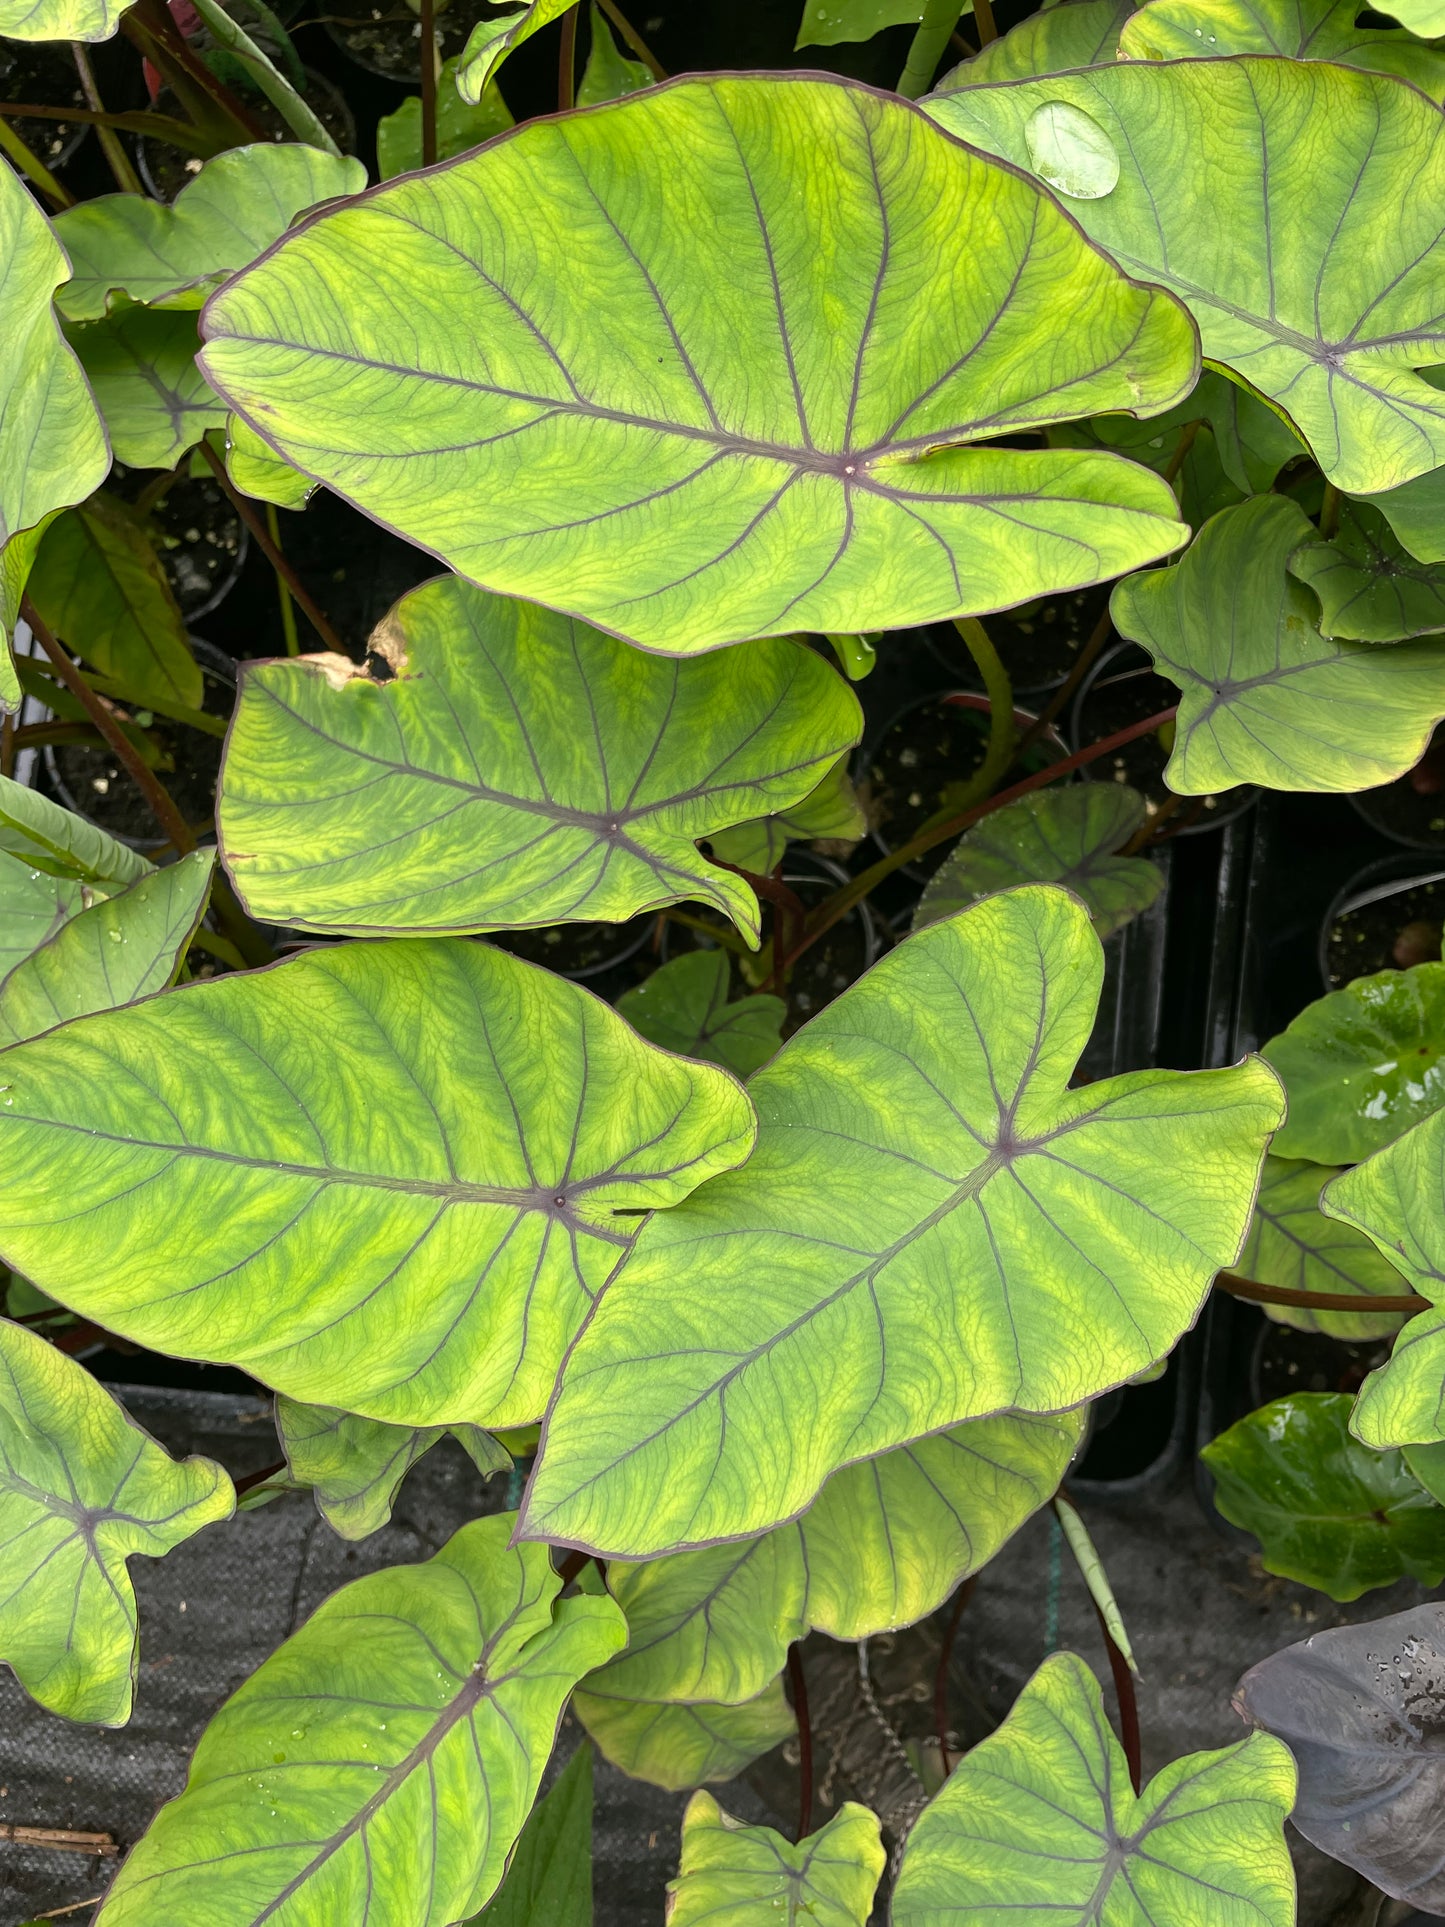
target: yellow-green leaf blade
<point>354,1465</point>
<point>677,1746</point>
<point>684,1007</point>
<point>734,1875</point>
<point>1292,1243</point>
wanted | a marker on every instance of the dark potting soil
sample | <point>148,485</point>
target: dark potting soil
<point>1288,1361</point>
<point>1393,933</point>
<point>1125,690</point>
<point>384,36</point>
<point>166,170</point>
<point>199,537</point>
<point>1412,808</point>
<point>586,951</point>
<point>41,74</point>
<point>1037,644</point>
<point>1133,1427</point>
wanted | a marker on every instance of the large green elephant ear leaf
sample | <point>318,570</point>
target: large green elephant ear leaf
<point>1326,1510</point>
<point>1264,697</point>
<point>925,1193</point>
<point>1394,1197</point>
<point>120,949</point>
<point>1051,42</point>
<point>513,769</point>
<point>1298,29</point>
<point>1362,1065</point>
<point>390,1749</point>
<point>684,1007</point>
<point>1040,1825</point>
<point>477,1136</point>
<point>883,1545</point>
<point>1313,290</point>
<point>82,1489</point>
<point>173,255</point>
<point>354,1465</point>
<point>733,1875</point>
<point>1370,587</point>
<point>678,1746</point>
<point>141,365</point>
<point>1292,1243</point>
<point>1066,835</point>
<point>770,432</point>
<point>53,449</point>
<point>88,20</point>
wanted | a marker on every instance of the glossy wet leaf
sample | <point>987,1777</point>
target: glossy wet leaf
<point>516,769</point>
<point>1049,42</point>
<point>677,1746</point>
<point>883,1545</point>
<point>34,906</point>
<point>831,812</point>
<point>734,1875</point>
<point>831,23</point>
<point>1416,512</point>
<point>1326,1510</point>
<point>385,1757</point>
<point>60,19</point>
<point>173,254</point>
<point>1263,696</point>
<point>426,1206</point>
<point>1296,29</point>
<point>459,125</point>
<point>493,38</point>
<point>549,1877</point>
<point>1320,289</point>
<point>1359,1707</point>
<point>141,366</point>
<point>684,1007</point>
<point>82,1489</point>
<point>127,946</point>
<point>255,470</point>
<point>1394,1197</point>
<point>1292,1243</point>
<point>52,443</point>
<point>1039,1823</point>
<point>770,432</point>
<point>1067,835</point>
<point>925,1194</point>
<point>1362,1064</point>
<point>1369,585</point>
<point>609,73</point>
<point>59,843</point>
<point>99,585</point>
<point>354,1465</point>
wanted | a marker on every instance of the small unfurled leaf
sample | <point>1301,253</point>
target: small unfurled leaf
<point>99,585</point>
<point>173,255</point>
<point>1361,1710</point>
<point>1039,1825</point>
<point>122,948</point>
<point>477,1137</point>
<point>609,74</point>
<point>1361,1065</point>
<point>514,769</point>
<point>354,1465</point>
<point>1325,1509</point>
<point>1369,585</point>
<point>684,1007</point>
<point>61,844</point>
<point>1264,697</point>
<point>410,1716</point>
<point>1292,1243</point>
<point>460,125</point>
<point>734,1875</point>
<point>141,365</point>
<point>1092,1569</point>
<point>744,449</point>
<point>1395,1198</point>
<point>925,1194</point>
<point>1298,29</point>
<point>677,1746</point>
<point>493,38</point>
<point>1416,512</point>
<point>1065,835</point>
<point>256,471</point>
<point>829,23</point>
<point>831,811</point>
<point>549,1877</point>
<point>82,1489</point>
<point>1049,42</point>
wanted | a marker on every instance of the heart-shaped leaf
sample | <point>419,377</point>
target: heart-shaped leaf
<point>1369,585</point>
<point>1416,512</point>
<point>882,1546</point>
<point>1318,289</point>
<point>467,1139</point>
<point>1362,1065</point>
<point>514,769</point>
<point>761,432</point>
<point>173,255</point>
<point>549,1877</point>
<point>52,442</point>
<point>492,39</point>
<point>1326,1509</point>
<point>1394,1197</point>
<point>734,1875</point>
<point>925,1194</point>
<point>1264,697</point>
<point>60,19</point>
<point>354,1465</point>
<point>1292,1243</point>
<point>99,585</point>
<point>141,366</point>
<point>684,1007</point>
<point>1360,1707</point>
<point>677,1746</point>
<point>1049,42</point>
<point>390,1750</point>
<point>82,1489</point>
<point>1040,1825</point>
<point>1066,835</point>
<point>1299,29</point>
<point>118,950</point>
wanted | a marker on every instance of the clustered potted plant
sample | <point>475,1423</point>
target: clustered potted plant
<point>764,568</point>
